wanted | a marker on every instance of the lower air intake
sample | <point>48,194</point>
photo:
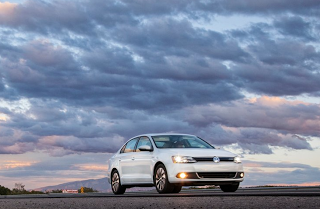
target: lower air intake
<point>216,174</point>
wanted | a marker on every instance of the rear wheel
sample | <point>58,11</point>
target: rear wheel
<point>116,186</point>
<point>229,187</point>
<point>160,179</point>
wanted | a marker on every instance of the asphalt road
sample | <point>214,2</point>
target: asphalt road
<point>302,197</point>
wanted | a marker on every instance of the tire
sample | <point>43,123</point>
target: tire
<point>116,186</point>
<point>229,187</point>
<point>160,180</point>
<point>177,189</point>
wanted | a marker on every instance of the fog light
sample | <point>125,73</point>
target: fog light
<point>241,175</point>
<point>182,175</point>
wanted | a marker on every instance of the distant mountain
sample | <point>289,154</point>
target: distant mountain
<point>101,185</point>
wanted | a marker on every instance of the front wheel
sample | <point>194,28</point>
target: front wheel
<point>229,187</point>
<point>177,189</point>
<point>116,186</point>
<point>160,179</point>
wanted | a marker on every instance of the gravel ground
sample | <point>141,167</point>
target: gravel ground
<point>163,202</point>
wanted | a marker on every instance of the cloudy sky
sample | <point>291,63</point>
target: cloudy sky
<point>80,77</point>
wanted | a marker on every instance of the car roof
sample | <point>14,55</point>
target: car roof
<point>160,134</point>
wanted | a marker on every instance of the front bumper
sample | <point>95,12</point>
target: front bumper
<point>210,175</point>
<point>205,173</point>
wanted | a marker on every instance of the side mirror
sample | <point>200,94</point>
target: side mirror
<point>146,148</point>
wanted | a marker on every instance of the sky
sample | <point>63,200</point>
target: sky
<point>78,78</point>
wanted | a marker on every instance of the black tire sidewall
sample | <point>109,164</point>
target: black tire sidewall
<point>121,189</point>
<point>177,189</point>
<point>230,188</point>
<point>167,187</point>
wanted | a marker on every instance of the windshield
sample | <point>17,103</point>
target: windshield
<point>180,141</point>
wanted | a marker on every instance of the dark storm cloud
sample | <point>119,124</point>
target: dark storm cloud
<point>284,52</point>
<point>295,26</point>
<point>52,16</point>
<point>45,54</point>
<point>51,72</point>
<point>96,73</point>
<point>67,130</point>
<point>252,140</point>
<point>278,80</point>
<point>278,66</point>
<point>156,48</point>
<point>261,7</point>
<point>255,141</point>
<point>256,125</point>
<point>2,88</point>
<point>179,38</point>
<point>265,112</point>
<point>58,130</point>
<point>81,17</point>
<point>50,120</point>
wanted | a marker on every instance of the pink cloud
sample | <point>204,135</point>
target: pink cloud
<point>302,184</point>
<point>17,148</point>
<point>7,8</point>
<point>7,12</point>
<point>3,117</point>
<point>10,164</point>
<point>253,165</point>
<point>91,167</point>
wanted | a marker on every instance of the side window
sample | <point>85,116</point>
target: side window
<point>122,149</point>
<point>143,141</point>
<point>130,145</point>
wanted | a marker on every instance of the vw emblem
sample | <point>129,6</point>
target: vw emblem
<point>216,159</point>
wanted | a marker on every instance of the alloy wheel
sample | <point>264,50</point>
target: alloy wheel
<point>115,182</point>
<point>160,179</point>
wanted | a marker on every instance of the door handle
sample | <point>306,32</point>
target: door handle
<point>132,158</point>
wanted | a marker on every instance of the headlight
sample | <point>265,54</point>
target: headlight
<point>237,159</point>
<point>183,159</point>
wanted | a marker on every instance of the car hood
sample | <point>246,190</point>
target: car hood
<point>199,152</point>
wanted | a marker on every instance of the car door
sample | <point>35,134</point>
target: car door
<point>143,161</point>
<point>126,162</point>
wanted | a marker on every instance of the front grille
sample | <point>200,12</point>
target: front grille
<point>216,174</point>
<point>224,159</point>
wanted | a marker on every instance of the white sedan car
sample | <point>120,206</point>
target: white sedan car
<point>170,161</point>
